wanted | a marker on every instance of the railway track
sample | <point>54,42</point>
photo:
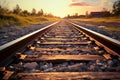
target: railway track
<point>61,51</point>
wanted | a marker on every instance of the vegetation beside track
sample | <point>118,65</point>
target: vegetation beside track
<point>13,19</point>
<point>109,23</point>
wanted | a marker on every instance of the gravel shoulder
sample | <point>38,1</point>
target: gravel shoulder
<point>9,33</point>
<point>100,28</point>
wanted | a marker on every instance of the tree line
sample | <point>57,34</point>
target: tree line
<point>18,11</point>
<point>116,8</point>
<point>115,12</point>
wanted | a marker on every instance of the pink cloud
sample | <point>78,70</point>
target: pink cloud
<point>81,4</point>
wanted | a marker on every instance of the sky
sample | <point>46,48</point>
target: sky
<point>61,7</point>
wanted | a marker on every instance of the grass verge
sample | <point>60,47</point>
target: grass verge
<point>108,23</point>
<point>12,19</point>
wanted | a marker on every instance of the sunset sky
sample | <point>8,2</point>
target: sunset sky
<point>62,7</point>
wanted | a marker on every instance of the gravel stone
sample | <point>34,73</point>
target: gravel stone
<point>114,35</point>
<point>31,65</point>
<point>9,33</point>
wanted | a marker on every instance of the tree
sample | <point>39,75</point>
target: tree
<point>116,8</point>
<point>40,13</point>
<point>25,13</point>
<point>1,10</point>
<point>76,14</point>
<point>17,9</point>
<point>4,8</point>
<point>68,16</point>
<point>87,15</point>
<point>33,11</point>
<point>106,13</point>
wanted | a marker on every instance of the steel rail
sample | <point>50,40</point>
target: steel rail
<point>7,51</point>
<point>111,45</point>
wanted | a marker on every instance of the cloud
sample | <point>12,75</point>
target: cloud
<point>80,4</point>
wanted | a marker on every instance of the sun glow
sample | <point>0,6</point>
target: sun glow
<point>56,7</point>
<point>62,7</point>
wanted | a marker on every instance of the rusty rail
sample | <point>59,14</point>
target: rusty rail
<point>7,51</point>
<point>111,45</point>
